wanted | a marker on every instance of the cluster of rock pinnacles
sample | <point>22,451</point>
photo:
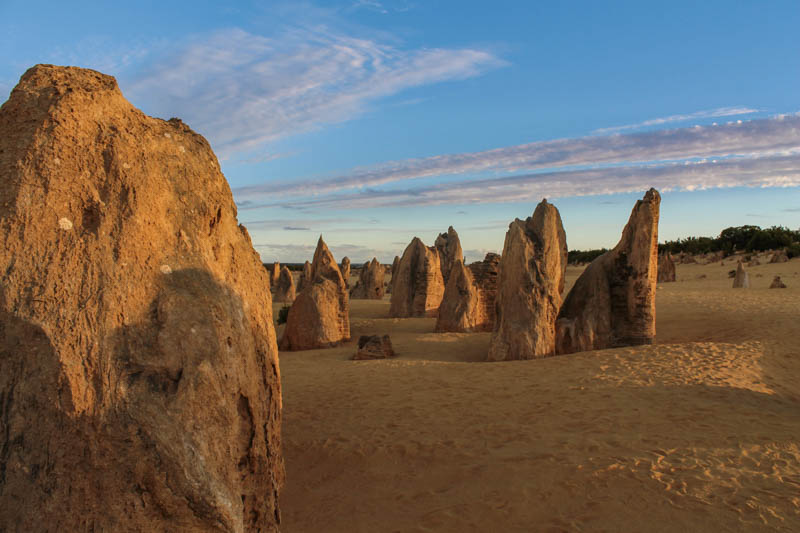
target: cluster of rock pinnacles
<point>137,332</point>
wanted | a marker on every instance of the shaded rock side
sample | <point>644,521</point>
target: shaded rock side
<point>370,284</point>
<point>139,383</point>
<point>741,280</point>
<point>468,304</point>
<point>374,347</point>
<point>284,289</point>
<point>418,286</point>
<point>448,246</point>
<point>613,303</point>
<point>346,271</point>
<point>320,314</point>
<point>777,283</point>
<point>529,286</point>
<point>305,277</point>
<point>393,272</point>
<point>666,268</point>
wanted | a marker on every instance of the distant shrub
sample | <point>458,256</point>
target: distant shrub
<point>575,257</point>
<point>793,250</point>
<point>283,314</point>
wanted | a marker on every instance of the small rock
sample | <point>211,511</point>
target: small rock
<point>374,347</point>
<point>777,283</point>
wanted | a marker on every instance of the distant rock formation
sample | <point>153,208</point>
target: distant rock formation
<point>139,385</point>
<point>469,297</point>
<point>686,259</point>
<point>779,257</point>
<point>346,271</point>
<point>320,315</point>
<point>370,284</point>
<point>529,286</point>
<point>374,347</point>
<point>449,248</point>
<point>613,303</point>
<point>305,277</point>
<point>284,289</point>
<point>666,268</point>
<point>754,262</point>
<point>777,283</point>
<point>393,273</point>
<point>275,275</point>
<point>418,286</point>
<point>741,280</point>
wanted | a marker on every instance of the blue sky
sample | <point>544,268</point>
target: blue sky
<point>370,122</point>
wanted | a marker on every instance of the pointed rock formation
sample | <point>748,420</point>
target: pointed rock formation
<point>320,315</point>
<point>284,290</point>
<point>275,275</point>
<point>139,383</point>
<point>613,303</point>
<point>374,347</point>
<point>305,277</point>
<point>449,247</point>
<point>469,298</point>
<point>346,271</point>
<point>529,286</point>
<point>666,268</point>
<point>370,284</point>
<point>741,280</point>
<point>777,283</point>
<point>417,287</point>
<point>393,272</point>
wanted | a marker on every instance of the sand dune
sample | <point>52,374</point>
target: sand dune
<point>699,432</point>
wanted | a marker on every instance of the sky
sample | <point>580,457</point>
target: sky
<point>370,122</point>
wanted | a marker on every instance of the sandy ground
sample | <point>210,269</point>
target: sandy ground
<point>699,432</point>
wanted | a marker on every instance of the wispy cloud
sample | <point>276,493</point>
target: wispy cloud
<point>294,228</point>
<point>243,90</point>
<point>698,115</point>
<point>767,171</point>
<point>762,136</point>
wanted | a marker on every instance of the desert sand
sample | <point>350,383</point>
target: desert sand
<point>698,432</point>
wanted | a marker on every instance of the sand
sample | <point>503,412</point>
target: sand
<point>699,432</point>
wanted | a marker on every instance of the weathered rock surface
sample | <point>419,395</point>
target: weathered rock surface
<point>529,286</point>
<point>393,272</point>
<point>449,247</point>
<point>666,268</point>
<point>374,347</point>
<point>469,298</point>
<point>613,303</point>
<point>320,315</point>
<point>777,283</point>
<point>779,257</point>
<point>741,280</point>
<point>370,284</point>
<point>284,289</point>
<point>139,384</point>
<point>346,271</point>
<point>305,277</point>
<point>417,287</point>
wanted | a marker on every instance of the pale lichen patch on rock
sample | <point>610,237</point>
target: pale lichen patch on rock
<point>65,224</point>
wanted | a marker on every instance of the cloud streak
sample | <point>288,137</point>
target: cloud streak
<point>243,90</point>
<point>699,115</point>
<point>750,138</point>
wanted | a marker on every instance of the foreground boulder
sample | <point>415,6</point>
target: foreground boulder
<point>284,289</point>
<point>417,287</point>
<point>305,277</point>
<point>346,271</point>
<point>777,283</point>
<point>741,280</point>
<point>529,286</point>
<point>320,315</point>
<point>469,297</point>
<point>370,284</point>
<point>666,268</point>
<point>374,347</point>
<point>448,246</point>
<point>613,303</point>
<point>139,384</point>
